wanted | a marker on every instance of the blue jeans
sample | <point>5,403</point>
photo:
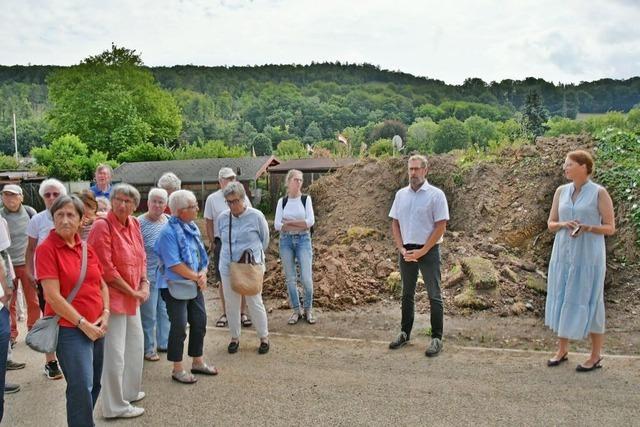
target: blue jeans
<point>153,314</point>
<point>5,332</point>
<point>297,247</point>
<point>81,362</point>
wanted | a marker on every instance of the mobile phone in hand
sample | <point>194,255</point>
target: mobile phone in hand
<point>575,231</point>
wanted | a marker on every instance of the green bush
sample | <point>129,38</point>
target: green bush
<point>8,163</point>
<point>451,135</point>
<point>209,150</point>
<point>291,149</point>
<point>145,152</point>
<point>381,148</point>
<point>563,126</point>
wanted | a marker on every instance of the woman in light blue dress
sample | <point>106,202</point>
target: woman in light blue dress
<point>581,215</point>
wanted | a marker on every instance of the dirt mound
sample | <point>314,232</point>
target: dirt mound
<point>498,207</point>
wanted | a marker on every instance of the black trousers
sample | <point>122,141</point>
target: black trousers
<point>180,312</point>
<point>217,246</point>
<point>429,265</point>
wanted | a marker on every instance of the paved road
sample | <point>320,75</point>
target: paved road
<point>323,381</point>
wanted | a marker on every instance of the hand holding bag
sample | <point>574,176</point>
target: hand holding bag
<point>43,336</point>
<point>183,289</point>
<point>246,275</point>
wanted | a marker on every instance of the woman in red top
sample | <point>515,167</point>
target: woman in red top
<point>119,245</point>
<point>83,322</point>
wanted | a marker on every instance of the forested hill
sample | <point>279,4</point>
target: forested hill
<point>335,79</point>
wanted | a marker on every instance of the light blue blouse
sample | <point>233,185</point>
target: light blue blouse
<point>249,231</point>
<point>166,247</point>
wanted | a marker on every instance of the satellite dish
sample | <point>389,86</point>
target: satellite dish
<point>397,142</point>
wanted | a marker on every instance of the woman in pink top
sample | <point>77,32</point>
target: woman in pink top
<point>119,245</point>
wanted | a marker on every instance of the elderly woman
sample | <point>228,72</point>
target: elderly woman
<point>294,219</point>
<point>183,259</point>
<point>104,206</point>
<point>118,243</point>
<point>38,230</point>
<point>581,215</point>
<point>83,321</point>
<point>155,322</point>
<point>170,182</point>
<point>90,213</point>
<point>247,230</point>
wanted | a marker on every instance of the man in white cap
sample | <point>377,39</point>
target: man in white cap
<point>17,216</point>
<point>214,206</point>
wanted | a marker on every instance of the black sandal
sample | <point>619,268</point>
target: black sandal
<point>556,362</point>
<point>222,321</point>
<point>245,320</point>
<point>582,368</point>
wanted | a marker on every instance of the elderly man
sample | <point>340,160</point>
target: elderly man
<point>102,187</point>
<point>170,182</point>
<point>18,216</point>
<point>214,206</point>
<point>420,214</point>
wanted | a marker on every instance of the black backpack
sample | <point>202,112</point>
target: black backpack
<point>303,198</point>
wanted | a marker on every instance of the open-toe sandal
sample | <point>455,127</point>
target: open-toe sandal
<point>152,357</point>
<point>246,322</point>
<point>184,377</point>
<point>204,369</point>
<point>222,321</point>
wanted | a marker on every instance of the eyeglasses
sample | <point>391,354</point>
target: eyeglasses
<point>48,195</point>
<point>123,201</point>
<point>233,201</point>
<point>192,207</point>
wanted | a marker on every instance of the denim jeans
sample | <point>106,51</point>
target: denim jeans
<point>155,322</point>
<point>429,265</point>
<point>180,312</point>
<point>5,332</point>
<point>81,362</point>
<point>297,247</point>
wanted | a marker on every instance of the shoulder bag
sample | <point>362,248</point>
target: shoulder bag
<point>43,336</point>
<point>246,275</point>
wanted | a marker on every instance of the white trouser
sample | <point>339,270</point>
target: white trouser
<point>232,301</point>
<point>123,361</point>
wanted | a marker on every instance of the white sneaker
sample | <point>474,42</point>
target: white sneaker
<point>132,413</point>
<point>141,395</point>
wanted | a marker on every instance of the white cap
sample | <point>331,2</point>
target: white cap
<point>226,173</point>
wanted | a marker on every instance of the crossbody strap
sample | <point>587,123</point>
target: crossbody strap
<point>83,274</point>
<point>230,252</point>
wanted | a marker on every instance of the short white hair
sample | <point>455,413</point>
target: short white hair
<point>52,182</point>
<point>169,181</point>
<point>180,199</point>
<point>158,192</point>
<point>234,188</point>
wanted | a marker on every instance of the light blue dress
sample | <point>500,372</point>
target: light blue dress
<point>575,288</point>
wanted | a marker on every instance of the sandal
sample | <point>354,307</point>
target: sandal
<point>244,319</point>
<point>184,377</point>
<point>222,321</point>
<point>204,369</point>
<point>294,318</point>
<point>152,357</point>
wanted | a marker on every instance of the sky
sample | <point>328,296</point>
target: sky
<point>561,40</point>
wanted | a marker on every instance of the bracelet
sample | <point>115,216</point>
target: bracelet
<point>79,321</point>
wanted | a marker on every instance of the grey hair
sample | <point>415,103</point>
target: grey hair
<point>291,173</point>
<point>180,199</point>
<point>105,166</point>
<point>169,181</point>
<point>64,200</point>
<point>234,188</point>
<point>421,158</point>
<point>126,190</point>
<point>52,182</point>
<point>158,192</point>
<point>104,200</point>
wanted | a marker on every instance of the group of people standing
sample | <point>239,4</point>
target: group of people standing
<point>126,288</point>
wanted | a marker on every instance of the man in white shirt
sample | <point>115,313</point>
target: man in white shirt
<point>420,214</point>
<point>213,207</point>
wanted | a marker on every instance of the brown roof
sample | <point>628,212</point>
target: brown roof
<point>312,165</point>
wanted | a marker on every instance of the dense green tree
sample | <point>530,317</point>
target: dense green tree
<point>381,148</point>
<point>480,130</point>
<point>429,111</point>
<point>145,152</point>
<point>510,129</point>
<point>562,126</point>
<point>68,159</point>
<point>387,130</point>
<point>8,163</point>
<point>262,145</point>
<point>421,136</point>
<point>534,115</point>
<point>312,134</point>
<point>450,135</point>
<point>209,150</point>
<point>291,149</point>
<point>111,102</point>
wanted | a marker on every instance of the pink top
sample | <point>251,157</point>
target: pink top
<point>120,248</point>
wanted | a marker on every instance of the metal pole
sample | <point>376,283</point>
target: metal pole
<point>15,135</point>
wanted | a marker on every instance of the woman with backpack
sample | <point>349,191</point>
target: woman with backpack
<point>294,220</point>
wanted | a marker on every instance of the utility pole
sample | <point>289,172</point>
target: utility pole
<point>15,135</point>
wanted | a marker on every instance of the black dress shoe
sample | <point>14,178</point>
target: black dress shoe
<point>597,365</point>
<point>233,347</point>
<point>556,362</point>
<point>264,348</point>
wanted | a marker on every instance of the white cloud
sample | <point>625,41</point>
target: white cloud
<point>560,41</point>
